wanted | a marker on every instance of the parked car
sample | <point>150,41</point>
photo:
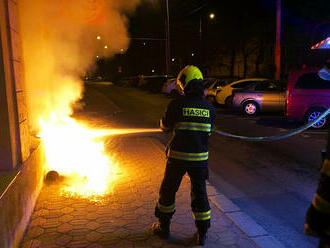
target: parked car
<point>123,82</point>
<point>308,96</point>
<point>153,84</point>
<point>134,81</point>
<point>224,94</point>
<point>213,85</point>
<point>171,88</point>
<point>263,96</point>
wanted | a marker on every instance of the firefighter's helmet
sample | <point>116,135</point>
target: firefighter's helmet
<point>188,74</point>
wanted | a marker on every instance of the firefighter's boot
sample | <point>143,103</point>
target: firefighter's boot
<point>201,237</point>
<point>161,229</point>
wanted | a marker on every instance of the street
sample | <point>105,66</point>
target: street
<point>272,182</point>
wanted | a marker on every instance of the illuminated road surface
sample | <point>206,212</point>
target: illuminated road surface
<point>272,182</point>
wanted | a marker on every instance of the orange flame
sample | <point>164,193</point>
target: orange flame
<point>72,150</point>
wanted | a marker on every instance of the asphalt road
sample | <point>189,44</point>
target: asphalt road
<point>273,182</point>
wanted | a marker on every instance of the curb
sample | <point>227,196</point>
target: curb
<point>243,221</point>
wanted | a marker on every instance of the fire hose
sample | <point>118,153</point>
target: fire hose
<point>275,137</point>
<point>54,175</point>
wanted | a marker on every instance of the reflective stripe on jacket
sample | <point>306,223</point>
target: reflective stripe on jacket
<point>188,156</point>
<point>190,118</point>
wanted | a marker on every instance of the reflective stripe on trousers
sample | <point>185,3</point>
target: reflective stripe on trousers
<point>166,209</point>
<point>188,156</point>
<point>193,126</point>
<point>200,216</point>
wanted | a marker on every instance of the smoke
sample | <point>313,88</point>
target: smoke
<point>60,42</point>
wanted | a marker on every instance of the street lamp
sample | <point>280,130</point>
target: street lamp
<point>98,37</point>
<point>106,47</point>
<point>211,17</point>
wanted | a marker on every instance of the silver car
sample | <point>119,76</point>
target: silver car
<point>260,97</point>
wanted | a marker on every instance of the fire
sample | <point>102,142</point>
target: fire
<point>77,152</point>
<point>59,47</point>
<point>74,151</point>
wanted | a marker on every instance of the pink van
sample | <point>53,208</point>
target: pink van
<point>307,96</point>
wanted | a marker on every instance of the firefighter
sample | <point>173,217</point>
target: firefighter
<point>190,118</point>
<point>317,221</point>
<point>324,73</point>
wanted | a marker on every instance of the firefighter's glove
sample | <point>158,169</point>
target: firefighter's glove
<point>163,127</point>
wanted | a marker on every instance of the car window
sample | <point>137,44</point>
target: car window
<point>266,86</point>
<point>312,81</point>
<point>243,84</point>
<point>223,83</point>
<point>217,84</point>
<point>208,83</point>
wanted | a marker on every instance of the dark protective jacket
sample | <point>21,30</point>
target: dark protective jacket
<point>191,120</point>
<point>318,214</point>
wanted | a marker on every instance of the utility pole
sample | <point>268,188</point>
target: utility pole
<point>278,40</point>
<point>168,44</point>
<point>201,60</point>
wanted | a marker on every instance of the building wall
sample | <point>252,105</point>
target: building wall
<point>9,134</point>
<point>15,139</point>
<point>18,201</point>
<point>19,157</point>
<point>18,76</point>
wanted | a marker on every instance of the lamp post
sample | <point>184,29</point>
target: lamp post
<point>168,44</point>
<point>278,40</point>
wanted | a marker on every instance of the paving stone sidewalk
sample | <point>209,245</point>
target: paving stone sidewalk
<point>123,218</point>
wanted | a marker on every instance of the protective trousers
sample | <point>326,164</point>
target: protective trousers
<point>200,206</point>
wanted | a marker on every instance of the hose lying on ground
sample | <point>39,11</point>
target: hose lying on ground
<point>276,137</point>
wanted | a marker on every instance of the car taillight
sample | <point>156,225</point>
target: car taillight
<point>288,97</point>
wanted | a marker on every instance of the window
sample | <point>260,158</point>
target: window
<point>266,86</point>
<point>242,84</point>
<point>312,81</point>
<point>219,84</point>
<point>208,83</point>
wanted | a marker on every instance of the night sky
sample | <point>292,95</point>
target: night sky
<point>236,26</point>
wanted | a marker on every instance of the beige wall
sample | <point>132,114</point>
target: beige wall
<point>18,72</point>
<point>16,156</point>
<point>14,134</point>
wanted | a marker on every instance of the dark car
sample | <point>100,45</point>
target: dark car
<point>153,84</point>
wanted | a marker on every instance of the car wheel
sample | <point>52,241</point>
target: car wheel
<point>313,114</point>
<point>250,108</point>
<point>229,101</point>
